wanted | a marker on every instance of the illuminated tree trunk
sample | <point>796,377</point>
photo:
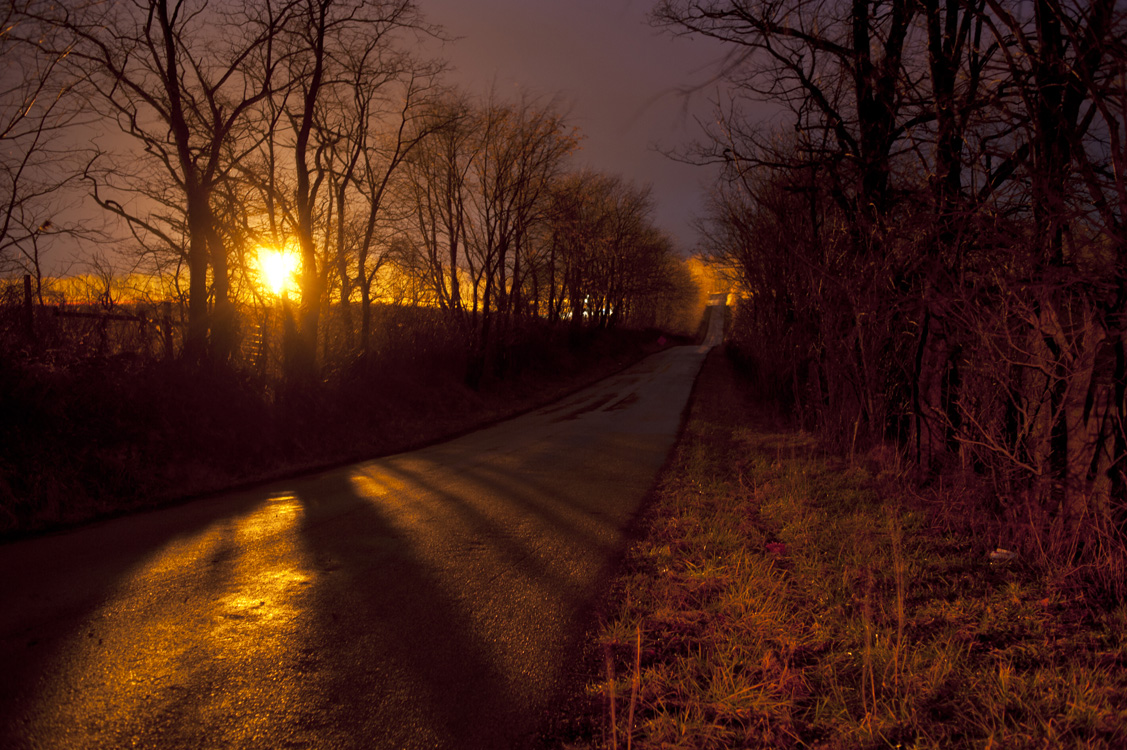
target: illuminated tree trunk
<point>195,337</point>
<point>302,360</point>
<point>343,272</point>
<point>224,321</point>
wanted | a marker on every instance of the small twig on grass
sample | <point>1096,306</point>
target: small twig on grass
<point>635,684</point>
<point>611,698</point>
<point>868,673</point>
<point>895,532</point>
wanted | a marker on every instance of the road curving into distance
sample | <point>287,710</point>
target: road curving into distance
<point>432,599</point>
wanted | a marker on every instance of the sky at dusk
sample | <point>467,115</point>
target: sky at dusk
<point>617,77</point>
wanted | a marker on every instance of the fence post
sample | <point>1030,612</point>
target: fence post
<point>28,309</point>
<point>264,342</point>
<point>166,328</point>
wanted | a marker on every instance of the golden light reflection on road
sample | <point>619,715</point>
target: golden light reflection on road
<point>222,608</point>
<point>377,484</point>
<point>267,577</point>
<point>369,481</point>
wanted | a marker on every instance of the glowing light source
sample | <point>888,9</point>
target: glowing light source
<point>277,270</point>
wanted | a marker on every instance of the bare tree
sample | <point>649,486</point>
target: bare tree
<point>383,157</point>
<point>326,37</point>
<point>836,67</point>
<point>184,79</point>
<point>605,260</point>
<point>1065,63</point>
<point>938,245</point>
<point>436,188</point>
<point>522,151</point>
<point>38,116</point>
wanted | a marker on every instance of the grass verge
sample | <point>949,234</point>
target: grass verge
<point>780,596</point>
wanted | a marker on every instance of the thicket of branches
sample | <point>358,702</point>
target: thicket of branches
<point>931,238</point>
<point>216,129</point>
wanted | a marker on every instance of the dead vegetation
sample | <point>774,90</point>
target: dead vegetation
<point>785,596</point>
<point>94,426</point>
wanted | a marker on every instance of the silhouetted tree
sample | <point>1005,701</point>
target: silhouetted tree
<point>184,79</point>
<point>933,248</point>
<point>333,46</point>
<point>522,149</point>
<point>38,117</point>
<point>436,191</point>
<point>607,259</point>
<point>382,157</point>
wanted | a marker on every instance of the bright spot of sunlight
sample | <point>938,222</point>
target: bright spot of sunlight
<point>277,270</point>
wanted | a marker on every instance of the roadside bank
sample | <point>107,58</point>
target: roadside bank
<point>781,596</point>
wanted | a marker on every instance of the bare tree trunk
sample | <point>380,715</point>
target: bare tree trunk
<point>1084,414</point>
<point>303,358</point>
<point>195,338</point>
<point>224,319</point>
<point>930,423</point>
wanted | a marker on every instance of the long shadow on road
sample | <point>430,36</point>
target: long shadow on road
<point>397,661</point>
<point>446,614</point>
<point>432,599</point>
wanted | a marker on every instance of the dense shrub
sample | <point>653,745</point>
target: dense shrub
<point>86,436</point>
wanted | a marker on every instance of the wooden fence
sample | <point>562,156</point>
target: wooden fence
<point>145,320</point>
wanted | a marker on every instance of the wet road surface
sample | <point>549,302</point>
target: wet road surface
<point>433,599</point>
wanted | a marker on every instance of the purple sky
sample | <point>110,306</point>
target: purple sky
<point>616,75</point>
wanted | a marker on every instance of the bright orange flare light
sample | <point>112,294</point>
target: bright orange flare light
<point>277,270</point>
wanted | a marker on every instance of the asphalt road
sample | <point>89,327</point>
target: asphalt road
<point>433,599</point>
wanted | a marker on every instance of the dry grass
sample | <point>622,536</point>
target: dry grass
<point>783,597</point>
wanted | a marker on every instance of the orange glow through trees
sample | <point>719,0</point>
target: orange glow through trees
<point>277,270</point>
